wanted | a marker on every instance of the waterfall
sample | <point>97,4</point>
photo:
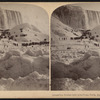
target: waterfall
<point>92,18</point>
<point>86,19</point>
<point>2,21</point>
<point>13,18</point>
<point>9,19</point>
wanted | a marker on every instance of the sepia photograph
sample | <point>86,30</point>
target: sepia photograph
<point>75,47</point>
<point>24,47</point>
<point>50,49</point>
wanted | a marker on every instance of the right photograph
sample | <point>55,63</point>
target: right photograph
<point>75,47</point>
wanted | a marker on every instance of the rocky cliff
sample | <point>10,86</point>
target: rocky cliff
<point>76,17</point>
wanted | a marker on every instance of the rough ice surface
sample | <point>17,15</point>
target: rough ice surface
<point>75,48</point>
<point>24,57</point>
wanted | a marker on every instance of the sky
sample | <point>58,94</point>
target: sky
<point>90,6</point>
<point>31,14</point>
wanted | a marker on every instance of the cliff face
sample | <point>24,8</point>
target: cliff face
<point>9,18</point>
<point>76,17</point>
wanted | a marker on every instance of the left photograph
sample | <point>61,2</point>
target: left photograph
<point>24,47</point>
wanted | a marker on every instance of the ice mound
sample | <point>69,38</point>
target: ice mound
<point>19,73</point>
<point>41,65</point>
<point>9,54</point>
<point>93,53</point>
<point>13,53</point>
<point>80,84</point>
<point>33,53</point>
<point>33,81</point>
<point>36,75</point>
<point>86,67</point>
<point>65,84</point>
<point>14,66</point>
<point>29,52</point>
<point>5,84</point>
<point>38,53</point>
<point>89,84</point>
<point>58,69</point>
<point>32,33</point>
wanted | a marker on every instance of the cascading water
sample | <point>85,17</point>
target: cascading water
<point>92,18</point>
<point>13,18</point>
<point>2,20</point>
<point>9,19</point>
